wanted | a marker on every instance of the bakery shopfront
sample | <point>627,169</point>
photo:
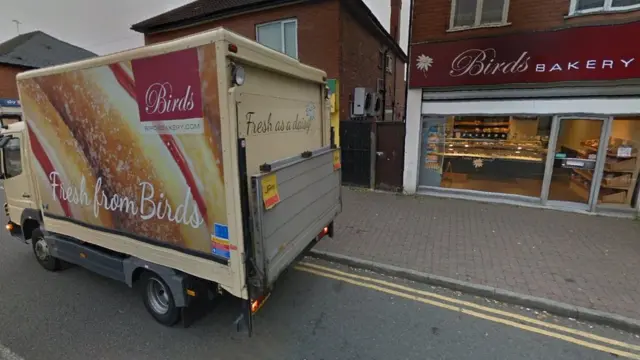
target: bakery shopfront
<point>549,119</point>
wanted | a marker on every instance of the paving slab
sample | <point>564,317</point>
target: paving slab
<point>583,260</point>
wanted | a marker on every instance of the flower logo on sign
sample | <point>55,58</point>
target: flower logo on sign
<point>478,163</point>
<point>310,111</point>
<point>423,63</point>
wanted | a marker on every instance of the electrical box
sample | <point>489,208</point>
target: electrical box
<point>374,104</point>
<point>359,101</point>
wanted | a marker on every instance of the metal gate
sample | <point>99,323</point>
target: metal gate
<point>355,143</point>
<point>390,155</point>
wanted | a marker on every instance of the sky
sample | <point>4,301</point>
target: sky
<point>102,26</point>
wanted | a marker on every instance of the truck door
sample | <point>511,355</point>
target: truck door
<point>18,193</point>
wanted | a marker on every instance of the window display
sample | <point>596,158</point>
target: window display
<point>508,155</point>
<point>503,154</point>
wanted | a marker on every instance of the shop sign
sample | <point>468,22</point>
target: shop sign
<point>9,103</point>
<point>577,54</point>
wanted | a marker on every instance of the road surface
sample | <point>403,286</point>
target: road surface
<point>319,311</point>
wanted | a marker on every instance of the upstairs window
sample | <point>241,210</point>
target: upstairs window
<point>587,6</point>
<point>478,13</point>
<point>280,36</point>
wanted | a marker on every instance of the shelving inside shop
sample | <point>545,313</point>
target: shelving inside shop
<point>621,170</point>
<point>493,138</point>
<point>481,127</point>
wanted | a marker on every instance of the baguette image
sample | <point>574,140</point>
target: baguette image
<point>195,154</point>
<point>124,78</point>
<point>211,101</point>
<point>194,157</point>
<point>104,121</point>
<point>51,141</point>
<point>203,155</point>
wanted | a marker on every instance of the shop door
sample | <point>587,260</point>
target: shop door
<point>575,159</point>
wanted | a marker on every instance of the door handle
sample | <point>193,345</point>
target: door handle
<point>26,196</point>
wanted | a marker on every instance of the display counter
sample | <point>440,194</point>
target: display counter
<point>494,159</point>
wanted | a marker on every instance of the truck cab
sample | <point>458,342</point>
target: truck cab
<point>20,204</point>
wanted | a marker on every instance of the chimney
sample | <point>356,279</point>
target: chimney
<point>394,28</point>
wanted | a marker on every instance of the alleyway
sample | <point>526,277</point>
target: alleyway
<point>583,260</point>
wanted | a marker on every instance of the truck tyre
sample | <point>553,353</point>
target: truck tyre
<point>41,251</point>
<point>158,299</point>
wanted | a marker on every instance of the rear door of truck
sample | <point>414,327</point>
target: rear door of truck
<point>292,186</point>
<point>294,202</point>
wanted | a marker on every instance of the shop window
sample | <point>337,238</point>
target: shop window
<point>587,6</point>
<point>12,160</point>
<point>497,154</point>
<point>280,35</point>
<point>475,13</point>
<point>620,177</point>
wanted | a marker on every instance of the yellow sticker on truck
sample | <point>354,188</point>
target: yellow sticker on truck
<point>270,194</point>
<point>336,159</point>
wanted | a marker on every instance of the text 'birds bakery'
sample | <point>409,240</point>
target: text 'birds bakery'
<point>548,118</point>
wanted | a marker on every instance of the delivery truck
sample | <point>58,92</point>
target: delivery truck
<point>195,167</point>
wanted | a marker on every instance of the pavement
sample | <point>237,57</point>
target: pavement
<point>582,260</point>
<point>318,311</point>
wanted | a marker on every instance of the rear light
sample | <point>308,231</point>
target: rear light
<point>257,303</point>
<point>323,233</point>
<point>9,227</point>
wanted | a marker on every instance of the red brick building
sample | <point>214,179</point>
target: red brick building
<point>527,101</point>
<point>25,52</point>
<point>342,37</point>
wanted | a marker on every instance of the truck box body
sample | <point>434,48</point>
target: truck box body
<point>145,152</point>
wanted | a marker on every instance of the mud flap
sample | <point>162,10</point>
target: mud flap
<point>199,304</point>
<point>194,312</point>
<point>244,322</point>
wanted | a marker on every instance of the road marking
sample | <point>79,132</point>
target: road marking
<point>328,274</point>
<point>478,306</point>
<point>7,354</point>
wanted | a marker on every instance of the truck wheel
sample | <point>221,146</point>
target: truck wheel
<point>158,300</point>
<point>41,251</point>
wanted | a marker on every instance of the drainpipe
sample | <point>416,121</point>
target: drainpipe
<point>406,83</point>
<point>384,84</point>
<point>395,88</point>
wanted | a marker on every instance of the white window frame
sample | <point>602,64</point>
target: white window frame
<point>608,7</point>
<point>477,23</point>
<point>281,22</point>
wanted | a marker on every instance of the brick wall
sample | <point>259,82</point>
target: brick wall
<point>317,39</point>
<point>8,88</point>
<point>360,65</point>
<point>431,19</point>
<point>329,38</point>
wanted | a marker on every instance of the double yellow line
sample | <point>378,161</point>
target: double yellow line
<point>574,336</point>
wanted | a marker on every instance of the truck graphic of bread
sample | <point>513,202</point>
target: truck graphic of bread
<point>158,181</point>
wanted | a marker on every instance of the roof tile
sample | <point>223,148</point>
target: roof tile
<point>38,49</point>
